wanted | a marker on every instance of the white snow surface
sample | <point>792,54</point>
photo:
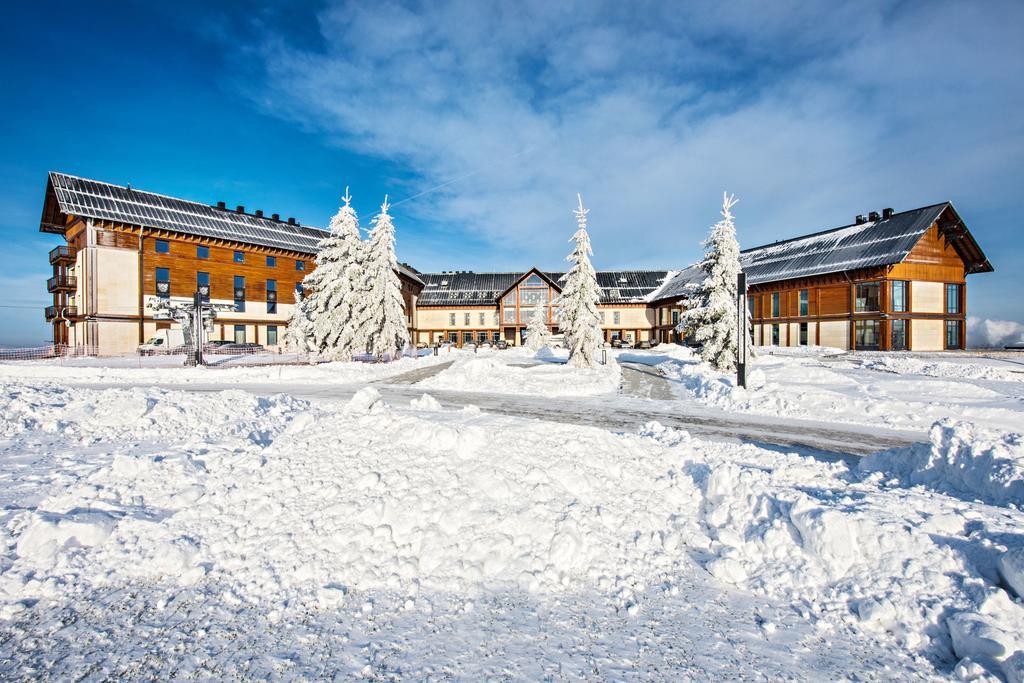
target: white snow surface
<point>519,371</point>
<point>154,533</point>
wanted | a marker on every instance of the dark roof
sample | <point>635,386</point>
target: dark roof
<point>104,201</point>
<point>884,242</point>
<point>484,289</point>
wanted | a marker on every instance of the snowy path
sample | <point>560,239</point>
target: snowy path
<point>621,414</point>
<point>642,381</point>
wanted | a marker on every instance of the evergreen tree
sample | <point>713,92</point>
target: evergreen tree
<point>333,285</point>
<point>711,309</point>
<point>298,336</point>
<point>380,317</point>
<point>577,306</point>
<point>537,334</point>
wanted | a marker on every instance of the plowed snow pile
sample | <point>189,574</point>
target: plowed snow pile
<point>162,504</point>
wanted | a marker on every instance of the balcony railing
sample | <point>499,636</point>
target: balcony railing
<point>62,253</point>
<point>64,312</point>
<point>61,282</point>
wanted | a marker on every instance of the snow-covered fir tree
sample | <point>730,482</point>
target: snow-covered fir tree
<point>298,336</point>
<point>380,316</point>
<point>537,334</point>
<point>710,313</point>
<point>578,318</point>
<point>334,285</point>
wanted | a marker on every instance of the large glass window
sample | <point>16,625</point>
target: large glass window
<point>510,315</point>
<point>510,299</point>
<point>239,293</point>
<point>163,282</point>
<point>898,335</point>
<point>868,334</point>
<point>272,335</point>
<point>899,296</point>
<point>525,315</point>
<point>803,334</point>
<point>300,265</point>
<point>239,334</point>
<point>803,302</point>
<point>775,304</point>
<point>867,297</point>
<point>952,298</point>
<point>675,317</point>
<point>775,334</point>
<point>953,334</point>
<point>532,297</point>
<point>533,281</point>
<point>467,337</point>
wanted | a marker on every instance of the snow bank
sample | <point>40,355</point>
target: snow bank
<point>961,459</point>
<point>494,374</point>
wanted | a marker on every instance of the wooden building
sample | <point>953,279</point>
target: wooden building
<point>889,281</point>
<point>123,246</point>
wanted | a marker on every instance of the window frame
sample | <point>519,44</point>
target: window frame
<point>200,283</point>
<point>956,288</point>
<point>904,288</point>
<point>776,304</point>
<point>959,342</point>
<point>903,324</point>
<point>272,330</point>
<point>271,261</point>
<point>804,305</point>
<point>804,335</point>
<point>877,286</point>
<point>166,279</point>
<point>237,329</point>
<point>202,251</point>
<point>239,302</point>
<point>238,256</point>
<point>300,265</point>
<point>161,246</point>
<point>451,320</point>
<point>858,325</point>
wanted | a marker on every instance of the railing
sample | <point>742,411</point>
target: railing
<point>49,351</point>
<point>64,312</point>
<point>58,282</point>
<point>62,253</point>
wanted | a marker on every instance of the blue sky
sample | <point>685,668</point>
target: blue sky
<point>809,112</point>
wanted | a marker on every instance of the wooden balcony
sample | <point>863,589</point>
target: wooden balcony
<point>62,254</point>
<point>62,283</point>
<point>64,312</point>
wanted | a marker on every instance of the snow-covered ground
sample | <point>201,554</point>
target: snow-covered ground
<point>899,391</point>
<point>162,533</point>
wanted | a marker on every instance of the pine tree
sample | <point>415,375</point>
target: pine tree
<point>381,314</point>
<point>333,285</point>
<point>298,336</point>
<point>711,310</point>
<point>577,306</point>
<point>537,334</point>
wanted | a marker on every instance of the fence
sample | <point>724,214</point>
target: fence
<point>170,357</point>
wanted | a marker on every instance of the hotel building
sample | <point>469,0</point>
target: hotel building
<point>889,281</point>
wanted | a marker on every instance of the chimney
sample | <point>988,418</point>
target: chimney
<point>860,219</point>
<point>259,213</point>
<point>222,206</point>
<point>873,216</point>
<point>239,209</point>
<point>275,217</point>
<point>291,220</point>
<point>887,212</point>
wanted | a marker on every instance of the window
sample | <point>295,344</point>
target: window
<point>867,335</point>
<point>272,335</point>
<point>239,294</point>
<point>803,302</point>
<point>750,306</point>
<point>952,298</point>
<point>898,335</point>
<point>202,252</point>
<point>602,317</point>
<point>532,297</point>
<point>203,285</point>
<point>482,318</point>
<point>510,299</point>
<point>163,282</point>
<point>616,318</point>
<point>867,297</point>
<point>451,320</point>
<point>271,296</point>
<point>510,315</point>
<point>775,304</point>
<point>899,296</point>
<point>775,332</point>
<point>953,334</point>
<point>162,246</point>
<point>453,337</point>
<point>300,294</point>
<point>467,337</point>
<point>239,334</point>
<point>300,265</point>
<point>675,317</point>
<point>481,337</point>
<point>239,257</point>
<point>803,334</point>
<point>271,261</point>
<point>465,319</point>
<point>533,281</point>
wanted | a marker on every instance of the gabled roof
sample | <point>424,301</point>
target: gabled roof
<point>485,289</point>
<point>884,242</point>
<point>105,201</point>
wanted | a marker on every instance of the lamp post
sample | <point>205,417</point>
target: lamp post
<point>741,331</point>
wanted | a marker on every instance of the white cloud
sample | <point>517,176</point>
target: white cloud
<point>993,334</point>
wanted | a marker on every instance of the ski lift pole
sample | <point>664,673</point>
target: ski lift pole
<point>741,331</point>
<point>197,327</point>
